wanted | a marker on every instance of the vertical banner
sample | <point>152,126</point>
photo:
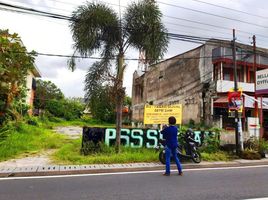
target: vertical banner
<point>235,101</point>
<point>159,114</point>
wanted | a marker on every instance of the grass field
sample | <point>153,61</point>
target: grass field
<point>24,139</point>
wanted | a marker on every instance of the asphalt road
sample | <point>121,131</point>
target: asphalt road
<point>239,183</point>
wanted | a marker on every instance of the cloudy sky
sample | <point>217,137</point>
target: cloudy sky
<point>204,18</point>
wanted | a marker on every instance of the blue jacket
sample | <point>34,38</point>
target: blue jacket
<point>170,135</point>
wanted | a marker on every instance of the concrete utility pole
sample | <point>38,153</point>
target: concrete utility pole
<point>255,69</point>
<point>237,144</point>
<point>256,107</point>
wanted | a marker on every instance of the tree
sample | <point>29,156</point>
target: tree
<point>101,104</point>
<point>68,109</point>
<point>127,101</point>
<point>45,91</point>
<point>50,98</point>
<point>15,64</point>
<point>97,28</point>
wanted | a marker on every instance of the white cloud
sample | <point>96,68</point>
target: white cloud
<point>53,36</point>
<point>70,83</point>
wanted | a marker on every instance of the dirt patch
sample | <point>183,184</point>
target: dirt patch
<point>42,159</point>
<point>73,132</point>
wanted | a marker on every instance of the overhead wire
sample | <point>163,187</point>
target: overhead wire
<point>21,9</point>
<point>48,14</point>
<point>214,26</point>
<point>171,35</point>
<point>231,9</point>
<point>211,14</point>
<point>57,16</point>
<point>193,27</point>
<point>186,38</point>
<point>177,57</point>
<point>47,7</point>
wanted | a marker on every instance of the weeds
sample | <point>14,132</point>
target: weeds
<point>24,138</point>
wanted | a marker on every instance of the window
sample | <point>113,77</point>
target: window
<point>228,74</point>
<point>251,76</point>
<point>161,74</point>
<point>240,74</point>
<point>217,72</point>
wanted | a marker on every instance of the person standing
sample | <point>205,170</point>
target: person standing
<point>170,135</point>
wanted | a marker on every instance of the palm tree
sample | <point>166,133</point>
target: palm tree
<point>96,28</point>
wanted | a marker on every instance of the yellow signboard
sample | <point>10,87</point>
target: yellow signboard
<point>159,114</point>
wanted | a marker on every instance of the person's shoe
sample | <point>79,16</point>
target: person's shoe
<point>180,174</point>
<point>166,174</point>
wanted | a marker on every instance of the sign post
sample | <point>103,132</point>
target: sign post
<point>159,114</point>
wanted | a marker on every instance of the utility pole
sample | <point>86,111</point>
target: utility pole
<point>255,69</point>
<point>237,144</point>
<point>256,110</point>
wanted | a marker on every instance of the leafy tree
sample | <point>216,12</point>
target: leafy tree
<point>97,28</point>
<point>15,64</point>
<point>75,108</point>
<point>127,101</point>
<point>45,91</point>
<point>65,108</point>
<point>101,104</point>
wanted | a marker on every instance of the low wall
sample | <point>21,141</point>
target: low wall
<point>132,137</point>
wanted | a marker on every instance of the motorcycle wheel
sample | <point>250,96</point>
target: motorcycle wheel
<point>196,157</point>
<point>162,157</point>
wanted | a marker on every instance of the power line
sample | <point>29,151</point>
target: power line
<point>25,10</point>
<point>48,14</point>
<point>245,34</point>
<point>63,17</point>
<point>232,9</point>
<point>52,8</point>
<point>211,14</point>
<point>193,27</point>
<point>211,25</point>
<point>67,18</point>
<point>134,59</point>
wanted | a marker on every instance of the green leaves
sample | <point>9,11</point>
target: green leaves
<point>45,91</point>
<point>15,63</point>
<point>145,31</point>
<point>95,27</point>
<point>101,105</point>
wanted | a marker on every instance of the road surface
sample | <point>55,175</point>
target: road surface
<point>201,184</point>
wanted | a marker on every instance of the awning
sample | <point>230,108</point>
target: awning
<point>221,102</point>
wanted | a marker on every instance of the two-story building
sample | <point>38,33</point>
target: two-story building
<point>200,80</point>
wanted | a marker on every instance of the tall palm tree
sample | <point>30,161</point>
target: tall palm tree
<point>96,28</point>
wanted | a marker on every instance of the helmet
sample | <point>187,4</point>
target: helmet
<point>190,130</point>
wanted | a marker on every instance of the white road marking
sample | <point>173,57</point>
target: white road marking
<point>123,173</point>
<point>264,198</point>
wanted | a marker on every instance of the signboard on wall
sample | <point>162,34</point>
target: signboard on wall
<point>262,81</point>
<point>159,114</point>
<point>253,127</point>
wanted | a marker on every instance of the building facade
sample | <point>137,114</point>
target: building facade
<point>31,87</point>
<point>200,80</point>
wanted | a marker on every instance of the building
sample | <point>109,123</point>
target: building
<point>31,86</point>
<point>200,80</point>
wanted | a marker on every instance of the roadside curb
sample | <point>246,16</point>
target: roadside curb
<point>6,172</point>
